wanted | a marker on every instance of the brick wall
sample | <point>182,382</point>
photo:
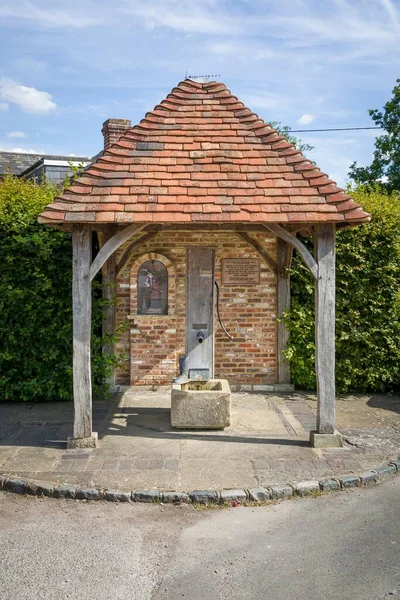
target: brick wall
<point>150,345</point>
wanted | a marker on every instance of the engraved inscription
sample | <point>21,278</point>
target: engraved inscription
<point>240,271</point>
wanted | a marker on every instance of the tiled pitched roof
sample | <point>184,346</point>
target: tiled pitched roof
<point>202,156</point>
<point>15,163</point>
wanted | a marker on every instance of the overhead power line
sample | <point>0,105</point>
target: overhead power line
<point>333,129</point>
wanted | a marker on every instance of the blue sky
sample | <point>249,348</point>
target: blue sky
<point>67,66</point>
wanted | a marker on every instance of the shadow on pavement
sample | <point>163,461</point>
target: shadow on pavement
<point>391,403</point>
<point>30,429</point>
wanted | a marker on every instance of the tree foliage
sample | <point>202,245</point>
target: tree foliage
<point>367,303</point>
<point>285,131</point>
<point>385,166</point>
<point>35,300</point>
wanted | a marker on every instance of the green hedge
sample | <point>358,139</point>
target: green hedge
<point>35,300</point>
<point>367,303</point>
<point>36,319</point>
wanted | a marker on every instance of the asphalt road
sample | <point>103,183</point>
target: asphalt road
<point>343,546</point>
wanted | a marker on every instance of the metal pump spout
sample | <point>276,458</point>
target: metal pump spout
<point>201,337</point>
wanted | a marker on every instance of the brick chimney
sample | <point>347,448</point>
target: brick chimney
<point>113,129</point>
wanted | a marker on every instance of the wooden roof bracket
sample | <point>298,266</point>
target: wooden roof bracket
<point>105,234</point>
<point>112,245</point>
<point>306,256</point>
<point>261,251</point>
<point>135,245</point>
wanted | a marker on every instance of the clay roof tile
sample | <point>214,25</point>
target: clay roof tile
<point>202,156</point>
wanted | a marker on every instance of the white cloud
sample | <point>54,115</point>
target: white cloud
<point>16,134</point>
<point>29,99</point>
<point>49,15</point>
<point>305,119</point>
<point>247,50</point>
<point>391,10</point>
<point>333,59</point>
<point>25,151</point>
<point>6,148</point>
<point>189,16</point>
<point>354,22</point>
<point>28,64</point>
<point>268,100</point>
<point>223,48</point>
<point>293,23</point>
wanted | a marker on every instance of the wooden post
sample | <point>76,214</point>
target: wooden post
<point>83,436</point>
<point>284,259</point>
<point>325,436</point>
<point>108,272</point>
<point>108,292</point>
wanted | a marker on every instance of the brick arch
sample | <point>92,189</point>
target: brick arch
<point>140,254</point>
<point>168,264</point>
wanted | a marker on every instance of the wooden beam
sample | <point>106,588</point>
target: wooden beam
<point>325,327</point>
<point>261,251</point>
<point>222,227</point>
<point>306,256</point>
<point>82,314</point>
<point>112,245</point>
<point>285,251</point>
<point>132,248</point>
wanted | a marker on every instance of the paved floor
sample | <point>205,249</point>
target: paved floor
<point>266,444</point>
<point>342,546</point>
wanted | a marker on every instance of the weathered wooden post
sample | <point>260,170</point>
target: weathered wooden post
<point>108,292</point>
<point>284,259</point>
<point>108,326</point>
<point>326,436</point>
<point>83,436</point>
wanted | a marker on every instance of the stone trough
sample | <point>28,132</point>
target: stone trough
<point>201,404</point>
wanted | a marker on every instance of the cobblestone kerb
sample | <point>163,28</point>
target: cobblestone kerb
<point>230,497</point>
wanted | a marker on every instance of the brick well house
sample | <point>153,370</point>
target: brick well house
<point>201,191</point>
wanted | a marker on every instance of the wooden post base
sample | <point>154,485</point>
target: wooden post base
<point>85,442</point>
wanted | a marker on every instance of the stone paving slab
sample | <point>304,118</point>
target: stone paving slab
<point>266,444</point>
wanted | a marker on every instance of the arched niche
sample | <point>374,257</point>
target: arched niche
<point>152,286</point>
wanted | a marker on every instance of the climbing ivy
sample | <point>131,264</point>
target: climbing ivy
<point>367,303</point>
<point>35,300</point>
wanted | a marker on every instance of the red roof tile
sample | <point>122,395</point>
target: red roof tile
<point>202,156</point>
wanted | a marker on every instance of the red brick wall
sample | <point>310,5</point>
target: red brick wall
<point>152,344</point>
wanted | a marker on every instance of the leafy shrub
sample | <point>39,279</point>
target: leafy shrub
<point>35,300</point>
<point>367,303</point>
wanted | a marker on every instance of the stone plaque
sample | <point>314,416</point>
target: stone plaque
<point>240,271</point>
